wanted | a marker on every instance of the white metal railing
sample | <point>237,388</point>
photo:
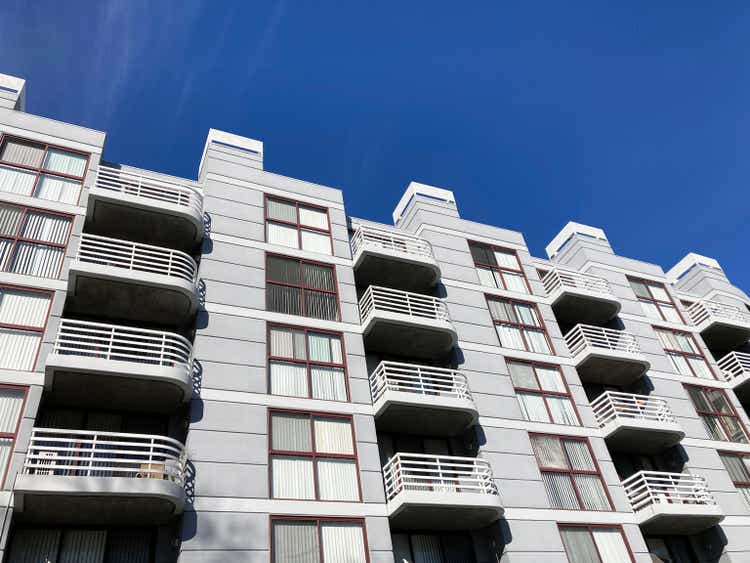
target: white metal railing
<point>403,302</point>
<point>87,453</point>
<point>701,311</point>
<point>438,473</point>
<point>381,239</point>
<point>647,488</point>
<point>734,365</point>
<point>123,344</point>
<point>612,405</point>
<point>559,280</point>
<point>583,336</point>
<point>418,379</point>
<point>138,185</point>
<point>136,257</point>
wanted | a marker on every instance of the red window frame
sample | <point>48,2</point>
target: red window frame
<point>318,520</point>
<point>543,392</point>
<point>498,267</point>
<point>307,362</point>
<point>655,301</point>
<point>738,484</point>
<point>313,455</point>
<point>298,225</point>
<point>40,170</point>
<point>571,472</point>
<point>698,354</point>
<point>302,287</point>
<point>16,238</point>
<point>521,326</point>
<point>40,330</point>
<point>14,435</point>
<point>591,527</point>
<point>718,415</point>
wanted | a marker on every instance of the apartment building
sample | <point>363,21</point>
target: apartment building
<point>231,368</point>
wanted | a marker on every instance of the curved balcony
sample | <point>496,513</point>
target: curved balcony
<point>80,476</point>
<point>405,324</point>
<point>671,503</point>
<point>636,423</point>
<point>120,366</point>
<point>440,492</point>
<point>735,368</point>
<point>394,259</point>
<point>580,298</point>
<point>606,356</point>
<point>420,399</point>
<point>722,326</point>
<point>134,206</point>
<point>119,279</point>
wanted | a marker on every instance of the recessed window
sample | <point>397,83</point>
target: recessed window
<point>738,467</point>
<point>63,545</point>
<point>542,392</point>
<point>718,415</point>
<point>313,457</point>
<point>323,540</point>
<point>683,352</point>
<point>23,316</point>
<point>42,171</point>
<point>297,225</point>
<point>499,267</point>
<point>306,363</point>
<point>569,472</point>
<point>595,544</point>
<point>656,302</point>
<point>518,325</point>
<point>301,287</point>
<point>426,547</point>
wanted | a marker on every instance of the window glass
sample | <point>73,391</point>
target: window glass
<point>291,224</point>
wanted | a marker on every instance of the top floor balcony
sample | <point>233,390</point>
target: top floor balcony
<point>120,279</point>
<point>606,356</point>
<point>636,423</point>
<point>722,326</point>
<point>671,503</point>
<point>580,298</point>
<point>402,323</point>
<point>134,206</point>
<point>735,368</point>
<point>394,259</point>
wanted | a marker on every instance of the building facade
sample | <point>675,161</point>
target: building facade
<point>231,368</point>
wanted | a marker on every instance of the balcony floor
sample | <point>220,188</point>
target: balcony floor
<point>403,335</point>
<point>640,436</point>
<point>678,519</point>
<point>427,510</point>
<point>395,269</point>
<point>610,367</point>
<point>432,415</point>
<point>580,306</point>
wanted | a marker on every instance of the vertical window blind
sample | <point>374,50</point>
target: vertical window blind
<point>542,393</point>
<point>595,544</point>
<point>55,545</point>
<point>318,541</point>
<point>718,415</point>
<point>655,301</point>
<point>498,267</point>
<point>11,407</point>
<point>518,325</point>
<point>295,225</point>
<point>738,467</point>
<point>682,350</point>
<point>23,315</point>
<point>299,287</point>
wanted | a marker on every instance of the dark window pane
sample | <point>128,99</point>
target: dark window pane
<point>320,277</point>
<point>482,254</point>
<point>283,270</point>
<point>283,299</point>
<point>319,305</point>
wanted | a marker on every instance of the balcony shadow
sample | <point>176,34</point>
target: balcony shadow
<point>189,482</point>
<point>197,378</point>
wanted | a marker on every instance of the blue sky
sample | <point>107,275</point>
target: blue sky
<point>631,116</point>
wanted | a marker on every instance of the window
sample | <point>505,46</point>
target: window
<point>683,352</point>
<point>12,400</point>
<point>570,473</point>
<point>300,287</point>
<point>542,392</point>
<point>322,540</point>
<point>499,267</point>
<point>312,457</point>
<point>719,417</point>
<point>671,549</point>
<point>738,467</point>
<point>444,547</point>
<point>297,225</point>
<point>43,171</point>
<point>656,302</point>
<point>595,544</point>
<point>519,325</point>
<point>32,242</point>
<point>306,363</point>
<point>23,316</point>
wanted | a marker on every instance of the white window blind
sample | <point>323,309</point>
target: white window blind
<point>16,181</point>
<point>343,542</point>
<point>53,188</point>
<point>292,477</point>
<point>333,436</point>
<point>284,235</point>
<point>11,402</point>
<point>296,542</point>
<point>310,217</point>
<point>337,479</point>
<point>288,379</point>
<point>23,308</point>
<point>18,349</point>
<point>65,162</point>
<point>291,433</point>
<point>26,154</point>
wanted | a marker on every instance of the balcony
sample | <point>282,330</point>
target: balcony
<point>384,257</point>
<point>119,366</point>
<point>671,503</point>
<point>440,492</point>
<point>417,399</point>
<point>580,298</point>
<point>722,326</point>
<point>119,279</point>
<point>85,477</point>
<point>136,207</point>
<point>636,423</point>
<point>735,368</point>
<point>606,356</point>
<point>405,324</point>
